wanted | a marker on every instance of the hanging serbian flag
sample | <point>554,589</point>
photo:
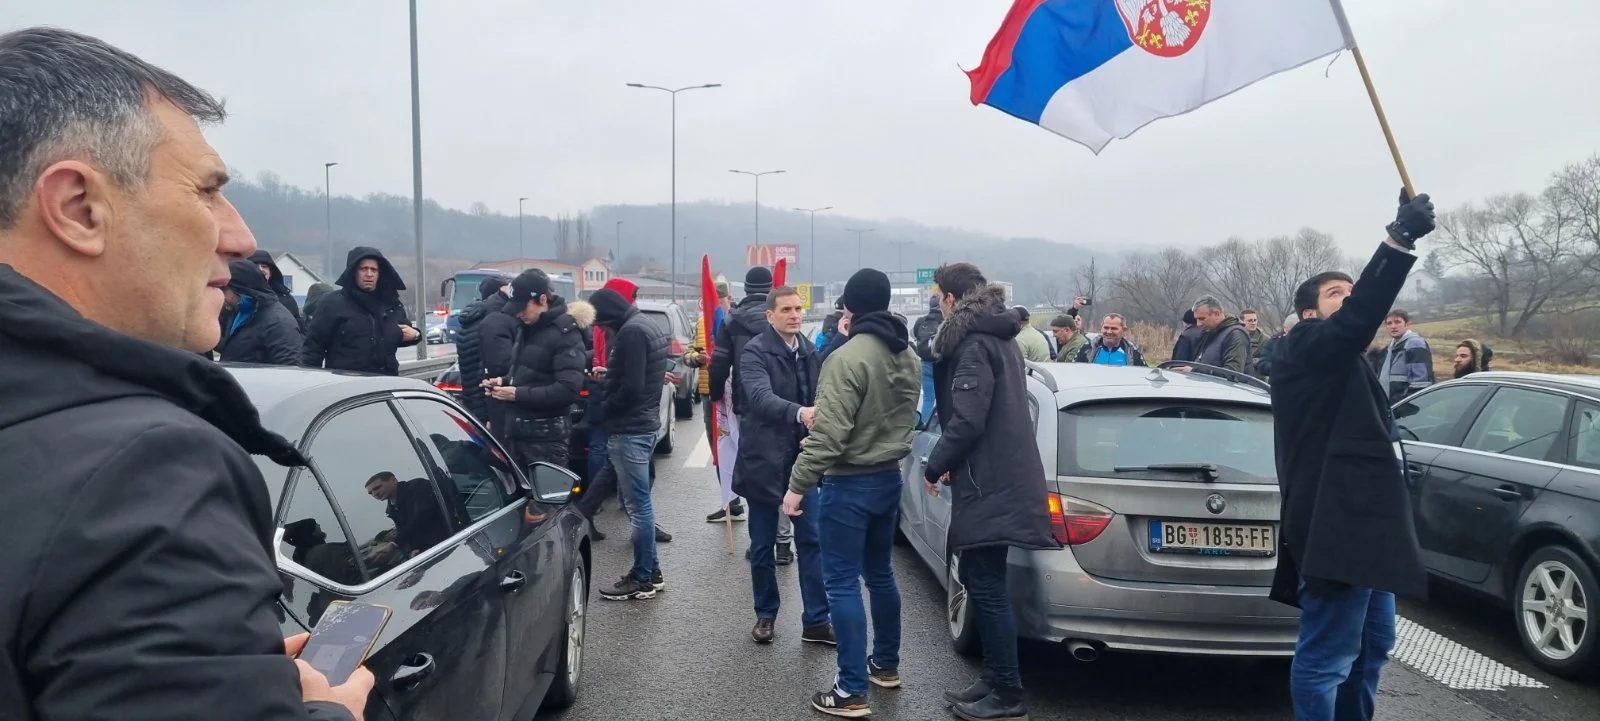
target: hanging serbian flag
<point>1095,70</point>
<point>708,318</point>
<point>780,272</point>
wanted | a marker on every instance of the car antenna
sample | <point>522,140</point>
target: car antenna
<point>1156,376</point>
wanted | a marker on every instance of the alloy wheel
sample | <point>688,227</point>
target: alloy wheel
<point>956,599</point>
<point>1555,610</point>
<point>577,619</point>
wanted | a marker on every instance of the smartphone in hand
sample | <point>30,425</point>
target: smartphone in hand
<point>343,637</point>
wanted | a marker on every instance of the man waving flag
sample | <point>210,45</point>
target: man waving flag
<point>1094,70</point>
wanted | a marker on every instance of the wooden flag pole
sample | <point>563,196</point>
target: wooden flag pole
<point>1383,121</point>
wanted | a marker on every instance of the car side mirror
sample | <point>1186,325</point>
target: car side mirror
<point>551,484</point>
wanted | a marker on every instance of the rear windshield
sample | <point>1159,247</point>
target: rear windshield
<point>660,319</point>
<point>1098,439</point>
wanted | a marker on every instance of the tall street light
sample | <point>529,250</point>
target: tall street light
<point>858,232</point>
<point>327,195</point>
<point>813,212</point>
<point>674,94</point>
<point>416,188</point>
<point>618,254</point>
<point>899,248</point>
<point>522,251</point>
<point>757,177</point>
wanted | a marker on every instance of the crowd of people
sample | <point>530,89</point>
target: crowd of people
<point>129,472</point>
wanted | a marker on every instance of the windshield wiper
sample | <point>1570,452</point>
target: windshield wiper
<point>1208,471</point>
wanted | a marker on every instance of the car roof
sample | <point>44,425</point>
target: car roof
<point>1087,382</point>
<point>272,387</point>
<point>1565,383</point>
<point>658,306</point>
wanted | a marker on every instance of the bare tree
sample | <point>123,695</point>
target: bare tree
<point>563,237</point>
<point>480,209</point>
<point>1156,287</point>
<point>1525,254</point>
<point>583,246</point>
<point>1286,262</point>
<point>1090,281</point>
<point>1575,193</point>
<point>1054,293</point>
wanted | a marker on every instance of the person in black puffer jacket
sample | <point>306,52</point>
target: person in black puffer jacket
<point>256,328</point>
<point>263,260</point>
<point>546,375</point>
<point>469,346</point>
<point>747,321</point>
<point>360,327</point>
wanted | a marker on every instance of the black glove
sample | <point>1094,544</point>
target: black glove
<point>1414,219</point>
<point>929,476</point>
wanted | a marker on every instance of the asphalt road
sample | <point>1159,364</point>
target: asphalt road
<point>687,653</point>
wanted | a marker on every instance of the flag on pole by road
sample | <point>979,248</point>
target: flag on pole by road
<point>1096,70</point>
<point>780,272</point>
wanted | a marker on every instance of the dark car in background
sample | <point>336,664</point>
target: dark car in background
<point>1504,472</point>
<point>673,320</point>
<point>408,503</point>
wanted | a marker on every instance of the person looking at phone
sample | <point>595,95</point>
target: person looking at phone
<point>127,473</point>
<point>545,379</point>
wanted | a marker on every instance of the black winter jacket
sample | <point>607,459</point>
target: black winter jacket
<point>137,579</point>
<point>747,321</point>
<point>1187,348</point>
<point>634,373</point>
<point>548,360</point>
<point>469,351</point>
<point>1226,347</point>
<point>1346,508</point>
<point>260,330</point>
<point>777,382</point>
<point>923,332</point>
<point>279,287</point>
<point>356,330</point>
<point>997,479</point>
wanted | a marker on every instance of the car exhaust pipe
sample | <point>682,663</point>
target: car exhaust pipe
<point>1083,651</point>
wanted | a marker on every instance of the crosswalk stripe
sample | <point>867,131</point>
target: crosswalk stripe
<point>1451,663</point>
<point>700,457</point>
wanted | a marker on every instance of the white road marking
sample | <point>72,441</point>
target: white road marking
<point>700,457</point>
<point>1451,663</point>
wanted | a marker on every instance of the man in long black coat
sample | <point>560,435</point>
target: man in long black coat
<point>986,455</point>
<point>256,328</point>
<point>1348,542</point>
<point>360,327</point>
<point>779,372</point>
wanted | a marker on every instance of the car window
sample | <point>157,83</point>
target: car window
<point>660,319</point>
<point>314,537</point>
<point>479,470</point>
<point>1432,417</point>
<point>389,499</point>
<point>1518,422</point>
<point>1585,445</point>
<point>1096,440</point>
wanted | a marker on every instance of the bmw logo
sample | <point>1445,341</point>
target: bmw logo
<point>1216,504</point>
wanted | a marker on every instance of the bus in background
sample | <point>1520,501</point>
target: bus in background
<point>461,289</point>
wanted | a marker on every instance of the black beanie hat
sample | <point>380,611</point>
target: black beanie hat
<point>609,307</point>
<point>866,292</point>
<point>1188,317</point>
<point>758,281</point>
<point>489,286</point>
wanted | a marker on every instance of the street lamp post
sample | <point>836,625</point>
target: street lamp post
<point>899,248</point>
<point>674,235</point>
<point>859,255</point>
<point>813,212</point>
<point>618,252</point>
<point>522,251</point>
<point>327,196</point>
<point>757,177</point>
<point>416,189</point>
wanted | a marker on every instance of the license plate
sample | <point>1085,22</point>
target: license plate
<point>1212,539</point>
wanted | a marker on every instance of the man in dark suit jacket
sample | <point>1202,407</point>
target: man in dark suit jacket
<point>1348,543</point>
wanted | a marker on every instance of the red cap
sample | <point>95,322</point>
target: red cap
<point>624,287</point>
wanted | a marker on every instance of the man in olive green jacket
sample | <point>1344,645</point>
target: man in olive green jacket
<point>866,415</point>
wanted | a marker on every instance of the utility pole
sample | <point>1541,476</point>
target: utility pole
<point>327,195</point>
<point>813,212</point>
<point>859,254</point>
<point>674,234</point>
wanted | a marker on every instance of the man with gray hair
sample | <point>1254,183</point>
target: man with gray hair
<point>1226,343</point>
<point>128,475</point>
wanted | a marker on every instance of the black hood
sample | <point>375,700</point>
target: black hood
<point>389,282</point>
<point>247,279</point>
<point>884,326</point>
<point>99,364</point>
<point>262,257</point>
<point>983,310</point>
<point>479,309</point>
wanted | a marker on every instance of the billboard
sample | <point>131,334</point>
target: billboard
<point>768,255</point>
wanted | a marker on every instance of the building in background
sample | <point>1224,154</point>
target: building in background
<point>296,275</point>
<point>589,276</point>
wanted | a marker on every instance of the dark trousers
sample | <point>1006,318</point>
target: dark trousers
<point>531,452</point>
<point>983,573</point>
<point>763,527</point>
<point>602,481</point>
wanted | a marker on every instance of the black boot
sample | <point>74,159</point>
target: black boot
<point>1004,704</point>
<point>596,534</point>
<point>975,692</point>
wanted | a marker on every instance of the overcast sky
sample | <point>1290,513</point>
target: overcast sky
<point>864,104</point>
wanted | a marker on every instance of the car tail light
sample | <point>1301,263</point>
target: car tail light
<point>584,393</point>
<point>677,347</point>
<point>447,387</point>
<point>1077,521</point>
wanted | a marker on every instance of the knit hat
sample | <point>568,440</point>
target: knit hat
<point>933,303</point>
<point>1022,311</point>
<point>758,281</point>
<point>1064,321</point>
<point>528,285</point>
<point>628,289</point>
<point>489,286</point>
<point>866,292</point>
<point>610,308</point>
<point>1188,317</point>
<point>721,285</point>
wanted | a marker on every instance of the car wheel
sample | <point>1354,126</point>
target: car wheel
<point>564,689</point>
<point>1553,603</point>
<point>684,407</point>
<point>958,613</point>
<point>669,439</point>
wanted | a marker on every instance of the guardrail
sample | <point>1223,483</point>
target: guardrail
<point>426,369</point>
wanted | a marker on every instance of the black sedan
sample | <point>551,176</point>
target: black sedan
<point>410,504</point>
<point>1504,470</point>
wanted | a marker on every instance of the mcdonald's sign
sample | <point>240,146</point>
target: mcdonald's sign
<point>768,255</point>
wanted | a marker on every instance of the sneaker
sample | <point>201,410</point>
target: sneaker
<point>883,677</point>
<point>820,633</point>
<point>721,513</point>
<point>762,633</point>
<point>785,554</point>
<point>662,536</point>
<point>658,581</point>
<point>627,589</point>
<point>833,703</point>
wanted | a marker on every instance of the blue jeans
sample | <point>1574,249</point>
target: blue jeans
<point>927,392</point>
<point>857,516</point>
<point>1345,639</point>
<point>763,527</point>
<point>983,573</point>
<point>630,457</point>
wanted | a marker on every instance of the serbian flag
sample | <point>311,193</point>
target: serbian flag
<point>1094,70</point>
<point>780,272</point>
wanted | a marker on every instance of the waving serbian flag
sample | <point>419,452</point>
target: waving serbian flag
<point>780,272</point>
<point>1094,70</point>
